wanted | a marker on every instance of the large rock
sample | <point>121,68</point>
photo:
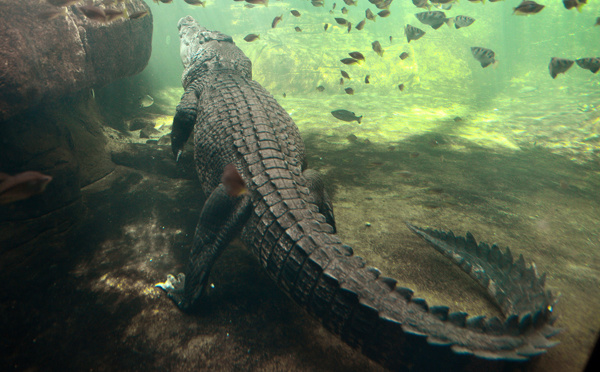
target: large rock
<point>44,59</point>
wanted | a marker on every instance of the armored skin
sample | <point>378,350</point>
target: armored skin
<point>286,219</point>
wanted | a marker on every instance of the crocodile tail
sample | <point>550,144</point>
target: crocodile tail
<point>389,325</point>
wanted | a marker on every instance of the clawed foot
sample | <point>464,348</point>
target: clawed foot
<point>174,288</point>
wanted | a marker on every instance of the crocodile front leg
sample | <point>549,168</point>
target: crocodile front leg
<point>220,220</point>
<point>184,120</point>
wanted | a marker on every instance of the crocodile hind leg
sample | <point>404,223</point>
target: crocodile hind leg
<point>319,195</point>
<point>220,220</point>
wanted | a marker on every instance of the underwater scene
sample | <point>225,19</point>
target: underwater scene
<point>299,185</point>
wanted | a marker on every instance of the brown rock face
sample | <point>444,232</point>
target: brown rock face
<point>41,59</point>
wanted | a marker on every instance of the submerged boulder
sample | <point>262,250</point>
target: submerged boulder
<point>42,59</point>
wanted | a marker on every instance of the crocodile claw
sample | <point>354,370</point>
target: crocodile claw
<point>174,288</point>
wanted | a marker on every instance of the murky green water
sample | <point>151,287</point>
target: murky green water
<point>504,151</point>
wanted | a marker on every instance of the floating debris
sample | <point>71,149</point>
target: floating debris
<point>346,115</point>
<point>413,33</point>
<point>485,56</point>
<point>414,155</point>
<point>559,66</point>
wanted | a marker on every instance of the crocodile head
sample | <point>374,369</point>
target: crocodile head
<point>202,49</point>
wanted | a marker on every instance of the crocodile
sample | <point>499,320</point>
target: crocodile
<point>285,217</point>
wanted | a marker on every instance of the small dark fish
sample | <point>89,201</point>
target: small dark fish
<point>597,22</point>
<point>401,87</point>
<point>349,61</point>
<point>22,186</point>
<point>62,2</point>
<point>345,74</point>
<point>476,1</point>
<point>413,33</point>
<point>233,181</point>
<point>344,10</point>
<point>462,21</point>
<point>367,79</point>
<point>391,39</point>
<point>276,20</point>
<point>384,13</point>
<point>592,64</point>
<point>298,29</point>
<point>440,2</point>
<point>357,55</point>
<point>325,26</point>
<point>528,7</point>
<point>494,1</point>
<point>251,37</point>
<point>333,8</point>
<point>350,2</point>
<point>93,12</point>
<point>196,2</point>
<point>52,13</point>
<point>352,138</point>
<point>420,3</point>
<point>435,18</point>
<point>485,56</point>
<point>166,1</point>
<point>295,13</point>
<point>559,66</point>
<point>569,4</point>
<point>112,14</point>
<point>457,119</point>
<point>349,26</point>
<point>360,25</point>
<point>284,95</point>
<point>138,15</point>
<point>320,88</point>
<point>346,115</point>
<point>349,91</point>
<point>258,2</point>
<point>341,81</point>
<point>369,14</point>
<point>317,3</point>
<point>403,55</point>
<point>377,48</point>
<point>341,21</point>
<point>445,6</point>
<point>381,4</point>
